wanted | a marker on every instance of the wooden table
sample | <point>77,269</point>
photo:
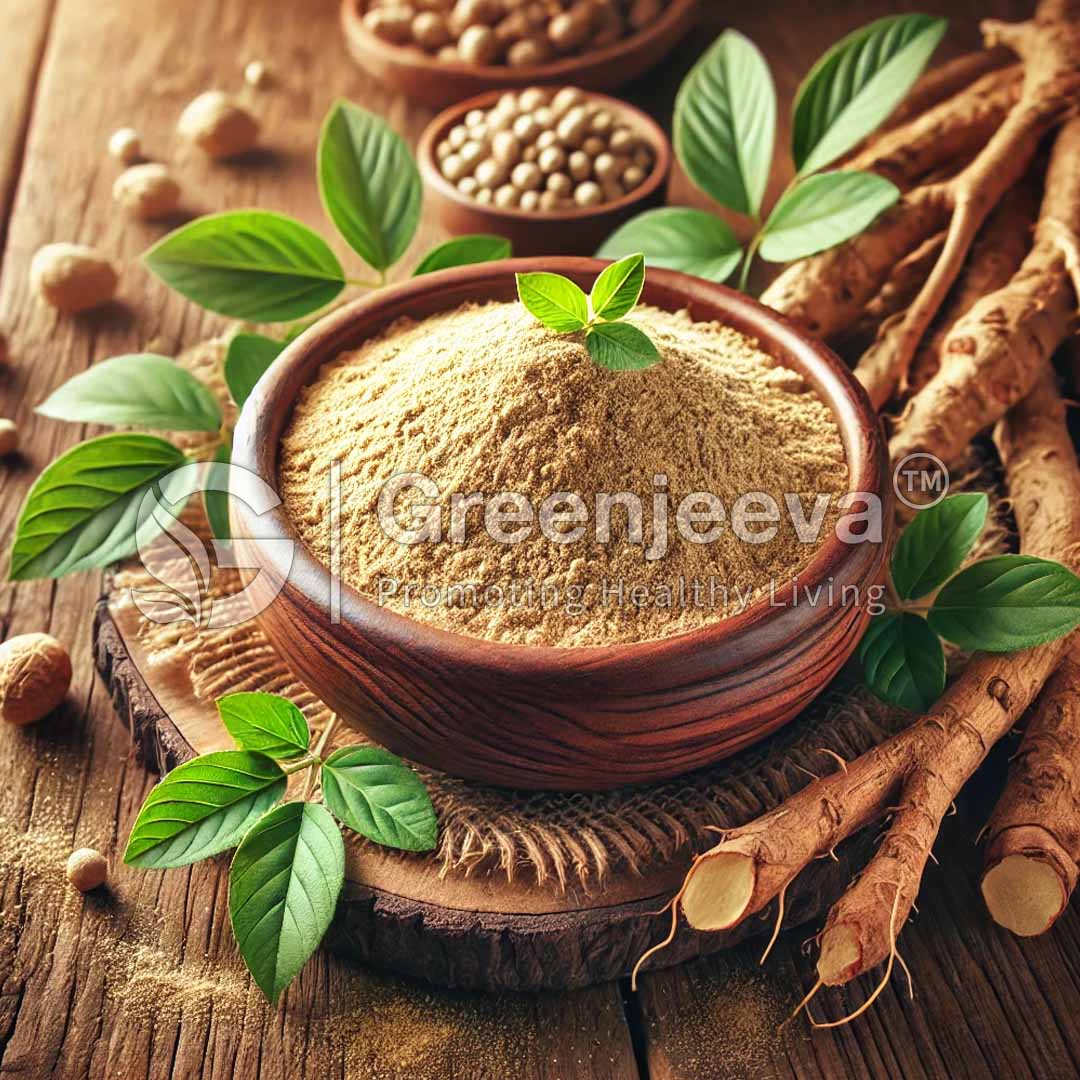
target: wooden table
<point>146,981</point>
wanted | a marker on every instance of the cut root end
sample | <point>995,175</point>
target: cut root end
<point>841,956</point>
<point>718,890</point>
<point>1024,894</point>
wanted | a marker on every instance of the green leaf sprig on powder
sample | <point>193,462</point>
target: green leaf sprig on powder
<point>562,306</point>
<point>254,265</point>
<point>289,866</point>
<point>998,604</point>
<point>724,135</point>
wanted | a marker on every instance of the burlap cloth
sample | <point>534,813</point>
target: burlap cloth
<point>560,838</point>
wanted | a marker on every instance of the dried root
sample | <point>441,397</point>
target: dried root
<point>917,773</point>
<point>991,357</point>
<point>995,256</point>
<point>1034,832</point>
<point>827,291</point>
<point>946,81</point>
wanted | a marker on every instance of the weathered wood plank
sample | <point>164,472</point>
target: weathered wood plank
<point>25,26</point>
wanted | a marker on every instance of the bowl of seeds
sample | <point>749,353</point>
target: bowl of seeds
<point>501,557</point>
<point>553,169</point>
<point>441,51</point>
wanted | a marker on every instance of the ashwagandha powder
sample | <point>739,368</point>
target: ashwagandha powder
<point>484,399</point>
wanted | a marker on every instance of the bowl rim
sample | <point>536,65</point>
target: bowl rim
<point>649,128</point>
<point>414,56</point>
<point>262,420</point>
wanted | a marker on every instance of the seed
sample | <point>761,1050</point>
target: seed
<point>633,177</point>
<point>528,52</point>
<point>35,673</point>
<point>532,98</point>
<point>72,277</point>
<point>565,99</point>
<point>391,24</point>
<point>216,124</point>
<point>471,152</point>
<point>468,185</point>
<point>580,165</point>
<point>530,200</point>
<point>551,159</point>
<point>491,173</point>
<point>506,147</point>
<point>256,74</point>
<point>588,194</point>
<point>147,191</point>
<point>429,30</point>
<point>86,869</point>
<point>125,145</point>
<point>478,45</point>
<point>526,128</point>
<point>9,437</point>
<point>453,167</point>
<point>507,196</point>
<point>526,176</point>
<point>560,184</point>
<point>594,145</point>
<point>458,136</point>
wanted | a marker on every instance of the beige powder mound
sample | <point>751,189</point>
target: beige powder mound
<point>485,399</point>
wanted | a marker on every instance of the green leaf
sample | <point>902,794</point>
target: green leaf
<point>555,300</point>
<point>216,498</point>
<point>202,808</point>
<point>931,549</point>
<point>1006,603</point>
<point>857,84</point>
<point>249,264</point>
<point>378,795</point>
<point>248,358</point>
<point>618,288</point>
<point>267,723</point>
<point>140,389</point>
<point>822,211</point>
<point>464,251</point>
<point>284,884</point>
<point>725,123</point>
<point>369,184</point>
<point>620,347</point>
<point>903,660</point>
<point>82,511</point>
<point>678,238</point>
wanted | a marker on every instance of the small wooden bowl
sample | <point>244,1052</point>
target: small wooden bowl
<point>421,77</point>
<point>528,716</point>
<point>579,231</point>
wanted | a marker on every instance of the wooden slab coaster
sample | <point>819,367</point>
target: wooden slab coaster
<point>526,890</point>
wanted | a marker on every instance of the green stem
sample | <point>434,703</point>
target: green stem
<point>751,251</point>
<point>298,766</point>
<point>320,746</point>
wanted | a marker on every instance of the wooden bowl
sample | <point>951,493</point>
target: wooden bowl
<point>544,717</point>
<point>423,78</point>
<point>579,231</point>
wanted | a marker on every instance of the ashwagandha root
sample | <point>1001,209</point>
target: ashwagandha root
<point>945,137</point>
<point>916,774</point>
<point>900,288</point>
<point>995,256</point>
<point>1034,831</point>
<point>946,81</point>
<point>992,355</point>
<point>827,291</point>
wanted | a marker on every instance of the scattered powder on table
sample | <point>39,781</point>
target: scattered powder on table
<point>485,399</point>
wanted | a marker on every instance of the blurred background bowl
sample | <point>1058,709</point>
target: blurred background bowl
<point>579,230</point>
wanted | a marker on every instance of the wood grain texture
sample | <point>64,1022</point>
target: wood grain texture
<point>524,716</point>
<point>986,1006</point>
